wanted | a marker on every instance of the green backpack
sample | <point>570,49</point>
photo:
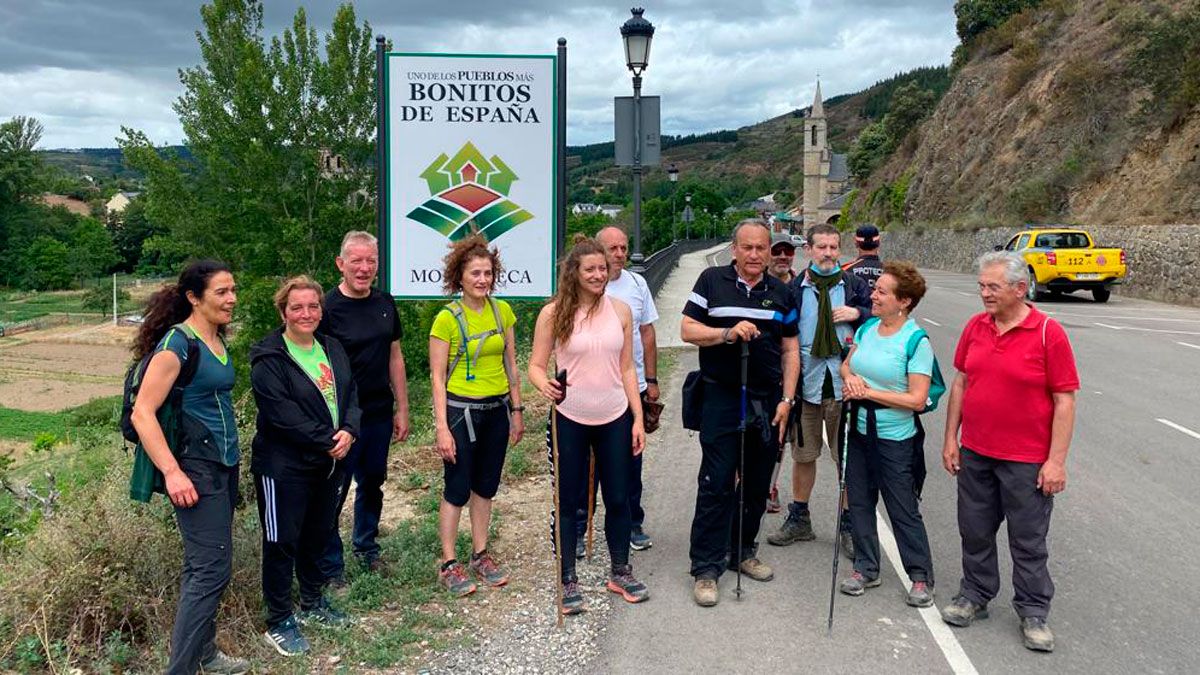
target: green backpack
<point>937,383</point>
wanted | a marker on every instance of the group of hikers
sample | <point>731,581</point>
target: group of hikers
<point>785,355</point>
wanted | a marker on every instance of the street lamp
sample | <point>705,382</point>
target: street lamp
<point>673,174</point>
<point>637,34</point>
<point>687,214</point>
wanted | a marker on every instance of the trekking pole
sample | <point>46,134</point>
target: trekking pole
<point>844,421</point>
<point>591,505</point>
<point>557,524</point>
<point>742,467</point>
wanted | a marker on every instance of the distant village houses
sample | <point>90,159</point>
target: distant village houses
<point>119,202</point>
<point>609,211</point>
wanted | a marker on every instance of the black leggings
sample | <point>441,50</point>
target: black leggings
<point>612,444</point>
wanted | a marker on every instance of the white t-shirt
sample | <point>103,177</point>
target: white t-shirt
<point>633,290</point>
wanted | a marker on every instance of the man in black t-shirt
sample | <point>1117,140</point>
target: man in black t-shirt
<point>364,320</point>
<point>730,306</point>
<point>867,265</point>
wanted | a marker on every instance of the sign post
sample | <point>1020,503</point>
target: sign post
<point>471,145</point>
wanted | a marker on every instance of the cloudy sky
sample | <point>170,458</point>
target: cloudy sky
<point>84,68</point>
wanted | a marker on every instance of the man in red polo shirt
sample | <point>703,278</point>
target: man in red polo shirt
<point>1014,401</point>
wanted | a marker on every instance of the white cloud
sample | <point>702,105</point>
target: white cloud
<point>717,65</point>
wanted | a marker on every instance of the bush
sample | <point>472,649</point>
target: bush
<point>975,17</point>
<point>1027,54</point>
<point>1167,60</point>
<point>100,299</point>
<point>103,413</point>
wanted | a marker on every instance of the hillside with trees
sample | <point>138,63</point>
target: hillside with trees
<point>1059,111</point>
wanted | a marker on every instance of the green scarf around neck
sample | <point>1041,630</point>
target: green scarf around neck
<point>825,341</point>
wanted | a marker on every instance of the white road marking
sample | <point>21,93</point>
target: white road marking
<point>1188,344</point>
<point>969,295</point>
<point>1179,427</point>
<point>1147,330</point>
<point>928,320</point>
<point>1112,317</point>
<point>959,662</point>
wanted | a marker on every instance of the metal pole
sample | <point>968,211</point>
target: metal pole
<point>674,227</point>
<point>114,298</point>
<point>381,177</point>
<point>636,259</point>
<point>560,216</point>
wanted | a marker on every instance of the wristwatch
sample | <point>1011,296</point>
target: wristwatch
<point>790,401</point>
<point>651,380</point>
<point>517,408</point>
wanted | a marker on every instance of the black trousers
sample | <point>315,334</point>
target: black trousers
<point>612,444</point>
<point>207,531</point>
<point>477,465</point>
<point>715,525</point>
<point>366,465</point>
<point>297,517</point>
<point>991,491</point>
<point>886,468</point>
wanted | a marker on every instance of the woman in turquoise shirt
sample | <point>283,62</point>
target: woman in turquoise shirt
<point>887,383</point>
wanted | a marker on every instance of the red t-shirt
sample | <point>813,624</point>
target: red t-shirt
<point>1008,405</point>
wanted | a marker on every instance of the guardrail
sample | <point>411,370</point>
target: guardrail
<point>660,263</point>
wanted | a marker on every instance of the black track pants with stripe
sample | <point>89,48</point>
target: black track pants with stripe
<point>297,517</point>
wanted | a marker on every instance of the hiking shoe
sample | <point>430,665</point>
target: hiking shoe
<point>705,592</point>
<point>487,571</point>
<point>580,548</point>
<point>638,540</point>
<point>337,585</point>
<point>846,543</point>
<point>374,565</point>
<point>797,527</point>
<point>224,664</point>
<point>322,614</point>
<point>285,637</point>
<point>756,569</point>
<point>572,599</point>
<point>454,579</point>
<point>623,582</point>
<point>856,584</point>
<point>920,595</point>
<point>962,612</point>
<point>1036,634</point>
<point>773,505</point>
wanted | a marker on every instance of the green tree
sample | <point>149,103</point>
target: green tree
<point>91,252</point>
<point>20,167</point>
<point>128,235</point>
<point>974,17</point>
<point>869,150</point>
<point>910,104</point>
<point>48,269</point>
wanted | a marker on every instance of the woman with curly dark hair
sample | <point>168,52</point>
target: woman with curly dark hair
<point>184,328</point>
<point>600,413</point>
<point>476,403</point>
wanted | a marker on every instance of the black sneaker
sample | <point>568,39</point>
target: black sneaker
<point>638,540</point>
<point>286,638</point>
<point>323,614</point>
<point>572,600</point>
<point>223,664</point>
<point>797,527</point>
<point>846,543</point>
<point>962,612</point>
<point>1036,635</point>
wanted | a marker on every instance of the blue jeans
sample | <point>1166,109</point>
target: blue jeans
<point>366,463</point>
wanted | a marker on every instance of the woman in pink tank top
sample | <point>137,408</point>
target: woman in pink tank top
<point>600,413</point>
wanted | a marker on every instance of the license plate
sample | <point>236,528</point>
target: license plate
<point>1083,276</point>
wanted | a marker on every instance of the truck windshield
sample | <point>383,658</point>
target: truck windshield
<point>1061,240</point>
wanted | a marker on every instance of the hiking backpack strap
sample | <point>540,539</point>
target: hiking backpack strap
<point>510,369</point>
<point>456,311</point>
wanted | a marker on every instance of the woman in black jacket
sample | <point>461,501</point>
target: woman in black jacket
<point>308,417</point>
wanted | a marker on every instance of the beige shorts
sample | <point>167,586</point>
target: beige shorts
<point>815,419</point>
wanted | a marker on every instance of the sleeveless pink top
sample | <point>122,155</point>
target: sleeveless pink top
<point>592,358</point>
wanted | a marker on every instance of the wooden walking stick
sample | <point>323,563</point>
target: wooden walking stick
<point>591,505</point>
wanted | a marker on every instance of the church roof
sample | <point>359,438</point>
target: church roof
<point>835,203</point>
<point>839,169</point>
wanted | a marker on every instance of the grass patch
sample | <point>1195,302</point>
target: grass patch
<point>23,425</point>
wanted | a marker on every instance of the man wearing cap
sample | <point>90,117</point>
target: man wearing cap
<point>867,265</point>
<point>783,251</point>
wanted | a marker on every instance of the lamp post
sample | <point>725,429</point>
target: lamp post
<point>673,175</point>
<point>637,34</point>
<point>687,214</point>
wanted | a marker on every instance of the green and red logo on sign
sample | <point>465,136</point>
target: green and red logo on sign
<point>469,193</point>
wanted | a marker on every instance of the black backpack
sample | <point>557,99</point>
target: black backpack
<point>172,406</point>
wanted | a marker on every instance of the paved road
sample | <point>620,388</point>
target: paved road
<point>1123,539</point>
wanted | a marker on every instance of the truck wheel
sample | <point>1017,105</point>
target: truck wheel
<point>1031,291</point>
<point>1101,294</point>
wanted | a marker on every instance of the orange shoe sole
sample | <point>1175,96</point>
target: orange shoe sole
<point>621,591</point>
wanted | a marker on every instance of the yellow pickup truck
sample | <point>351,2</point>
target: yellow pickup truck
<point>1061,261</point>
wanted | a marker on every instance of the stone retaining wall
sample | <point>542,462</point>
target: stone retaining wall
<point>1163,259</point>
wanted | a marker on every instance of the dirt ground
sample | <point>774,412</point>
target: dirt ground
<point>63,367</point>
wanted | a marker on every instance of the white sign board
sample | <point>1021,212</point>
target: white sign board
<point>471,147</point>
